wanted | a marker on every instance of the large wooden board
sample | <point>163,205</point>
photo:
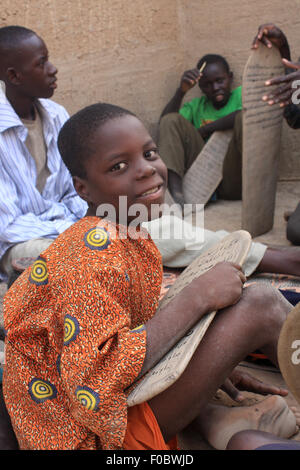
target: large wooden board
<point>205,174</point>
<point>262,125</point>
<point>232,248</point>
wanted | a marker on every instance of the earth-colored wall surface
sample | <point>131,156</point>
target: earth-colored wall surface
<point>132,53</point>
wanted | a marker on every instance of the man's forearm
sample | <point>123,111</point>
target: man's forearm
<point>221,124</point>
<point>174,104</point>
<point>175,185</point>
<point>285,51</point>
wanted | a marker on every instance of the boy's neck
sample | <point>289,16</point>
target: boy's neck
<point>91,212</point>
<point>222,105</point>
<point>219,107</point>
<point>23,106</point>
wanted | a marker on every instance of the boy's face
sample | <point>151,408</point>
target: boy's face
<point>216,84</point>
<point>34,74</point>
<point>125,163</point>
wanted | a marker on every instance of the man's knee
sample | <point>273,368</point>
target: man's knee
<point>238,121</point>
<point>170,120</point>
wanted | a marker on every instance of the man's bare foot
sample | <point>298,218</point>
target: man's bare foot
<point>219,423</point>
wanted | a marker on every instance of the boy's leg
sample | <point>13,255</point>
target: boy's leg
<point>252,440</point>
<point>179,143</point>
<point>231,184</point>
<point>253,323</point>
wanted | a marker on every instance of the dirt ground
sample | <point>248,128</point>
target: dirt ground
<point>227,215</point>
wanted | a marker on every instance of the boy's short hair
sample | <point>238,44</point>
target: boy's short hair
<point>213,59</point>
<point>75,140</point>
<point>11,36</point>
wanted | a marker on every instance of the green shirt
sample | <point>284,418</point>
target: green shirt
<point>200,111</point>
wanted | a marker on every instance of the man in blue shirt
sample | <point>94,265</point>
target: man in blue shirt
<point>37,197</point>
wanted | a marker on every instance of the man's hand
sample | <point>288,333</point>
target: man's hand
<point>189,79</point>
<point>269,34</point>
<point>287,86</point>
<point>239,380</point>
<point>205,132</point>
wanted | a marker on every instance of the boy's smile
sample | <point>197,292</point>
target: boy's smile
<point>125,163</point>
<point>216,84</point>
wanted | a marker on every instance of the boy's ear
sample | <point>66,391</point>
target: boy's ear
<point>81,188</point>
<point>13,76</point>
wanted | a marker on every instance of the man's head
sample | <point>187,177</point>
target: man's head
<point>24,63</point>
<point>216,80</point>
<point>110,154</point>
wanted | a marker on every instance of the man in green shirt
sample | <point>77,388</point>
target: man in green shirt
<point>185,129</point>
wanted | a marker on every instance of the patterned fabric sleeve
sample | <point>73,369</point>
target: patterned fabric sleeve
<point>102,354</point>
<point>76,338</point>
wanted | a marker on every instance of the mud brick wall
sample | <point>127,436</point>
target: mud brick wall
<point>132,53</point>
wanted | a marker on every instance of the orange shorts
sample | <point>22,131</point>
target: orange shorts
<point>143,431</point>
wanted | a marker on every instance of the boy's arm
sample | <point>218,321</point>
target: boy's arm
<point>222,124</point>
<point>188,81</point>
<point>174,104</point>
<point>218,288</point>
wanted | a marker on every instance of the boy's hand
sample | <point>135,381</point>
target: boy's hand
<point>239,380</point>
<point>222,285</point>
<point>269,34</point>
<point>189,79</point>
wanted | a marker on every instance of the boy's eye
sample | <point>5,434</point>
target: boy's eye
<point>42,62</point>
<point>151,153</point>
<point>118,166</point>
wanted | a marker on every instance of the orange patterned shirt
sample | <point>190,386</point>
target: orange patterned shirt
<point>71,347</point>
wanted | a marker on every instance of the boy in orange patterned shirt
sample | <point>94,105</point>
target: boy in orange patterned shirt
<point>82,323</point>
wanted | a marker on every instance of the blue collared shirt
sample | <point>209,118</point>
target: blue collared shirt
<point>25,213</point>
